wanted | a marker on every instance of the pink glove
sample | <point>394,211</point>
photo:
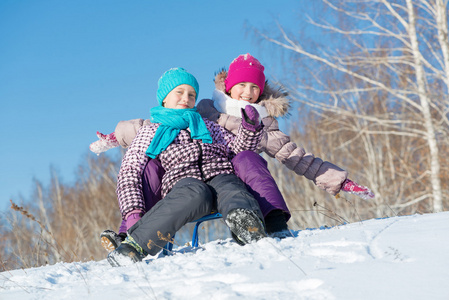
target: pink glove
<point>132,219</point>
<point>250,119</point>
<point>104,143</point>
<point>363,192</point>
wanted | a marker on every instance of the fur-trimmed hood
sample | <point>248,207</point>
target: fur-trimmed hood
<point>273,99</point>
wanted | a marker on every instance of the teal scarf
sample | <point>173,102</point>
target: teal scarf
<point>172,121</point>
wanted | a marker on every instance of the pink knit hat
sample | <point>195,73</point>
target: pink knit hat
<point>245,68</point>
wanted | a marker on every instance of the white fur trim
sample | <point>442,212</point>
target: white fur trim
<point>225,104</point>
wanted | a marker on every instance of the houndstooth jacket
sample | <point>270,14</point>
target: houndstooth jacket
<point>184,157</point>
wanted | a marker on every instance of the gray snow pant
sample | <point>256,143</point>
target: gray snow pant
<point>190,199</point>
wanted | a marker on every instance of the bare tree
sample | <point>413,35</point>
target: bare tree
<point>396,52</point>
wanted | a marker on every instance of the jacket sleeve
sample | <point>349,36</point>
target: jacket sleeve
<point>244,140</point>
<point>125,131</point>
<point>207,110</point>
<point>129,180</point>
<point>324,174</point>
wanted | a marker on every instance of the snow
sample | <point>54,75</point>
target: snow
<point>394,258</point>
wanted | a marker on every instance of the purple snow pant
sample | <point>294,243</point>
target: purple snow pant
<point>249,166</point>
<point>252,169</point>
<point>151,186</point>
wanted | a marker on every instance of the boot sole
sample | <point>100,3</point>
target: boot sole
<point>107,244</point>
<point>247,227</point>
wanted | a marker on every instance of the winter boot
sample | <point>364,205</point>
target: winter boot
<point>276,224</point>
<point>238,241</point>
<point>245,225</point>
<point>127,253</point>
<point>111,240</point>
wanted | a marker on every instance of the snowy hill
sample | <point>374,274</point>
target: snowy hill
<point>394,258</point>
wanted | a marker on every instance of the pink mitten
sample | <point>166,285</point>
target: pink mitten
<point>363,192</point>
<point>105,142</point>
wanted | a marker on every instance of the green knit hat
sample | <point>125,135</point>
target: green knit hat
<point>171,79</point>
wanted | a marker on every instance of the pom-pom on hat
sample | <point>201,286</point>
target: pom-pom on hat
<point>245,68</point>
<point>171,79</point>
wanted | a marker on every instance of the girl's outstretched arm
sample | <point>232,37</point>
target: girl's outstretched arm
<point>124,133</point>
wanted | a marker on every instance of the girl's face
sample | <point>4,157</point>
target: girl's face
<point>181,97</point>
<point>246,91</point>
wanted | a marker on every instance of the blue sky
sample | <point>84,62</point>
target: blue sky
<point>70,68</point>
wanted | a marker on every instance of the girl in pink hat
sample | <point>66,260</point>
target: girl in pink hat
<point>244,84</point>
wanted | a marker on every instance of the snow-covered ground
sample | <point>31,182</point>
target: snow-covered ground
<point>394,258</point>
